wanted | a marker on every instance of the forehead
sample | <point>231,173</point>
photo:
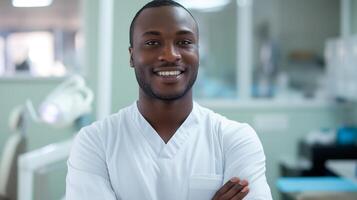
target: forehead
<point>168,18</point>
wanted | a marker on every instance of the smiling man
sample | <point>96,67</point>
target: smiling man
<point>165,146</point>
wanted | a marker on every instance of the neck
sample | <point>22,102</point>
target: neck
<point>165,116</point>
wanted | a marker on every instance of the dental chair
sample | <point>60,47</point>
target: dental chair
<point>14,146</point>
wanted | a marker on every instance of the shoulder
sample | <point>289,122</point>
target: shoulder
<point>108,125</point>
<point>99,133</point>
<point>230,132</point>
<point>222,124</point>
<point>89,149</point>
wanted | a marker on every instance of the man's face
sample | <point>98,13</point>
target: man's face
<point>165,52</point>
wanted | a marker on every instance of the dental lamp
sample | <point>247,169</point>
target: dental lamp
<point>66,103</point>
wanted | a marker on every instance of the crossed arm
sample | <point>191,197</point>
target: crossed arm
<point>244,163</point>
<point>234,189</point>
<point>247,164</point>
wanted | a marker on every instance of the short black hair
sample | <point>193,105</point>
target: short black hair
<point>154,4</point>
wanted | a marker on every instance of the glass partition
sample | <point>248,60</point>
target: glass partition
<point>288,39</point>
<point>41,41</point>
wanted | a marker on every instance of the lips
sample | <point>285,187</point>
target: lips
<point>168,71</point>
<point>169,75</point>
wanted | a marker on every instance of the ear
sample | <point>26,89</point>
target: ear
<point>131,56</point>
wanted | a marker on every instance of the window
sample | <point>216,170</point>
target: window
<point>32,52</point>
<point>286,39</point>
<point>218,35</point>
<point>41,41</point>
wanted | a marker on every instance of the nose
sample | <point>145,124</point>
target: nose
<point>170,54</point>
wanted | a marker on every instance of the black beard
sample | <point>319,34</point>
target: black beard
<point>149,91</point>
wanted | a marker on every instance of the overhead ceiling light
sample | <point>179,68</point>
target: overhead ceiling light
<point>31,3</point>
<point>204,5</point>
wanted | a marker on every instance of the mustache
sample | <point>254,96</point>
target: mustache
<point>169,64</point>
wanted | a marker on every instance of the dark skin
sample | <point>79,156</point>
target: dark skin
<point>165,57</point>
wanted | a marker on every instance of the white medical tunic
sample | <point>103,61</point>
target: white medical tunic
<point>123,157</point>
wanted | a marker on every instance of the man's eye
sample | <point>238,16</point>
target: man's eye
<point>151,43</point>
<point>184,42</point>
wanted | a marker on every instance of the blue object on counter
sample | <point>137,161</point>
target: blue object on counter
<point>346,135</point>
<point>317,184</point>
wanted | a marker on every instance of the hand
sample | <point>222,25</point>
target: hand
<point>234,189</point>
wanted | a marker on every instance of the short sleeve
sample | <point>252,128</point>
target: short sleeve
<point>87,176</point>
<point>245,159</point>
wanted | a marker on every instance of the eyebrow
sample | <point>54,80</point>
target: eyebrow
<point>151,33</point>
<point>185,32</point>
<point>157,33</point>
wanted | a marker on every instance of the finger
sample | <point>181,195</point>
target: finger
<point>228,185</point>
<point>233,191</point>
<point>244,182</point>
<point>240,195</point>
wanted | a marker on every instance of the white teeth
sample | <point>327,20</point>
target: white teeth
<point>169,73</point>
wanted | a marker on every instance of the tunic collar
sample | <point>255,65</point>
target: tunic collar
<point>162,150</point>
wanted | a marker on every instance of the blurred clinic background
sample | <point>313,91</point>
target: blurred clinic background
<point>287,67</point>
